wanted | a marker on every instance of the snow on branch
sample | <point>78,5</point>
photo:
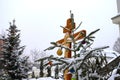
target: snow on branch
<point>57,59</point>
<point>44,58</point>
<point>78,26</point>
<point>89,53</point>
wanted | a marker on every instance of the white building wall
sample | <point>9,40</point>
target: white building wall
<point>118,8</point>
<point>118,5</point>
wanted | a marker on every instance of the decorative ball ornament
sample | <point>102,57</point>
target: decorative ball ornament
<point>83,42</point>
<point>50,62</point>
<point>59,52</point>
<point>72,70</point>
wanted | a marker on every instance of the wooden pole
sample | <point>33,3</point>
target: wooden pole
<point>68,53</point>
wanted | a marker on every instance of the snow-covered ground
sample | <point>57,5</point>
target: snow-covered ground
<point>45,78</point>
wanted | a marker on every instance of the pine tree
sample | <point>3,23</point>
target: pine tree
<point>14,66</point>
<point>86,62</point>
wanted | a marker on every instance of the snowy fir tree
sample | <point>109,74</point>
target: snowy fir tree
<point>15,67</point>
<point>86,63</point>
<point>81,61</point>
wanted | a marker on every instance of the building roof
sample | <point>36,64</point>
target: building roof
<point>116,19</point>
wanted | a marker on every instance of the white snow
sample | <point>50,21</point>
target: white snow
<point>113,76</point>
<point>45,78</point>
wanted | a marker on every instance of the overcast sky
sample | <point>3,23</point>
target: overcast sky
<point>40,20</point>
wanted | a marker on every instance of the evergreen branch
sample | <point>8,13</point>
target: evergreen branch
<point>58,45</point>
<point>67,67</point>
<point>93,32</point>
<point>53,43</point>
<point>22,47</point>
<point>54,64</point>
<point>87,37</point>
<point>44,58</point>
<point>78,26</point>
<point>80,45</point>
<point>62,66</point>
<point>88,45</point>
<point>67,48</point>
<point>50,48</point>
<point>91,37</point>
<point>100,48</point>
<point>77,49</point>
<point>77,60</point>
<point>57,59</point>
<point>88,55</point>
<point>65,28</point>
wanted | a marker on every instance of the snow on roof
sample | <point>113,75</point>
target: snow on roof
<point>116,19</point>
<point>116,16</point>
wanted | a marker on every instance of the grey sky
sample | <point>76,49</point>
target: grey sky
<point>40,20</point>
